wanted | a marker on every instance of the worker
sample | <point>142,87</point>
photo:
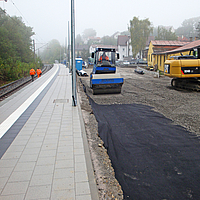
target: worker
<point>39,72</point>
<point>104,57</point>
<point>32,73</point>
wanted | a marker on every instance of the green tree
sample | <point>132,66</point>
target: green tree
<point>198,30</point>
<point>164,34</point>
<point>89,33</point>
<point>125,33</point>
<point>15,39</point>
<point>85,54</point>
<point>140,31</point>
<point>54,51</point>
<point>107,40</point>
<point>188,27</point>
<point>16,55</point>
<point>78,40</point>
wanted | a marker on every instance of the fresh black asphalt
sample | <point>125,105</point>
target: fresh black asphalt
<point>152,157</point>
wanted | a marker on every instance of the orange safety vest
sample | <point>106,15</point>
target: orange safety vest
<point>39,71</point>
<point>106,58</point>
<point>32,72</point>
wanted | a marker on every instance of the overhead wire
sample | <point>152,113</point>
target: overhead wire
<point>28,23</point>
<point>20,12</point>
<point>3,5</point>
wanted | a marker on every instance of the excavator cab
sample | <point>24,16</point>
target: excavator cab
<point>185,71</point>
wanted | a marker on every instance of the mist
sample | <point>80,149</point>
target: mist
<point>49,18</point>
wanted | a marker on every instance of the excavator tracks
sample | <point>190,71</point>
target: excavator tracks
<point>188,84</point>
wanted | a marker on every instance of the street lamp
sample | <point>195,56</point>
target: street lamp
<point>74,97</point>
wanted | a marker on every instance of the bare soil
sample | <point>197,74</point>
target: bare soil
<point>181,106</point>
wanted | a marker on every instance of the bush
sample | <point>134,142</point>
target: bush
<point>11,70</point>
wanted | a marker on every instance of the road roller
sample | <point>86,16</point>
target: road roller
<point>104,79</point>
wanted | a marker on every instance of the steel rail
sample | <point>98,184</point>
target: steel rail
<point>10,88</point>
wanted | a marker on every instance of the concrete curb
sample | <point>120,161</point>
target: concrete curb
<point>90,169</point>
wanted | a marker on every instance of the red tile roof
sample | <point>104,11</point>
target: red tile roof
<point>167,43</point>
<point>122,40</point>
<point>183,39</point>
<point>187,47</point>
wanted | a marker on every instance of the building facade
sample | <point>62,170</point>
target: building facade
<point>156,52</point>
<point>124,46</point>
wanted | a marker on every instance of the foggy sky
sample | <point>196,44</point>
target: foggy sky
<point>49,18</point>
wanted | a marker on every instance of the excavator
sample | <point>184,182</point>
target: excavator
<point>184,71</point>
<point>104,79</point>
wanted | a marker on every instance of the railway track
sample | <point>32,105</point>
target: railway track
<point>9,89</point>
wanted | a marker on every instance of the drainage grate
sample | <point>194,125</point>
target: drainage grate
<point>61,101</point>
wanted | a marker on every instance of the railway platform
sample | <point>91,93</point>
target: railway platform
<point>43,147</point>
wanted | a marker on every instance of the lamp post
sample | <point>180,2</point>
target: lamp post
<point>74,96</point>
<point>68,52</point>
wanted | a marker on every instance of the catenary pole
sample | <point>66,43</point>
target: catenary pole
<point>68,52</point>
<point>34,49</point>
<point>74,98</point>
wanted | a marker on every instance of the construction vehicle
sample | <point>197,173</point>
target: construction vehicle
<point>104,78</point>
<point>185,71</point>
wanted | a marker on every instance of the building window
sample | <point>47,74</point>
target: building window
<point>160,60</point>
<point>123,49</point>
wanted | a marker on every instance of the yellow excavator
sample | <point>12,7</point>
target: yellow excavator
<point>185,71</point>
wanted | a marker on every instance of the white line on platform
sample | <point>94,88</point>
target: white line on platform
<point>7,123</point>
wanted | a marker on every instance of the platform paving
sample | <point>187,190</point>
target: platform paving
<point>49,157</point>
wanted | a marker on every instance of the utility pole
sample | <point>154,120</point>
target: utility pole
<point>68,52</point>
<point>34,49</point>
<point>60,54</point>
<point>65,51</point>
<point>74,97</point>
